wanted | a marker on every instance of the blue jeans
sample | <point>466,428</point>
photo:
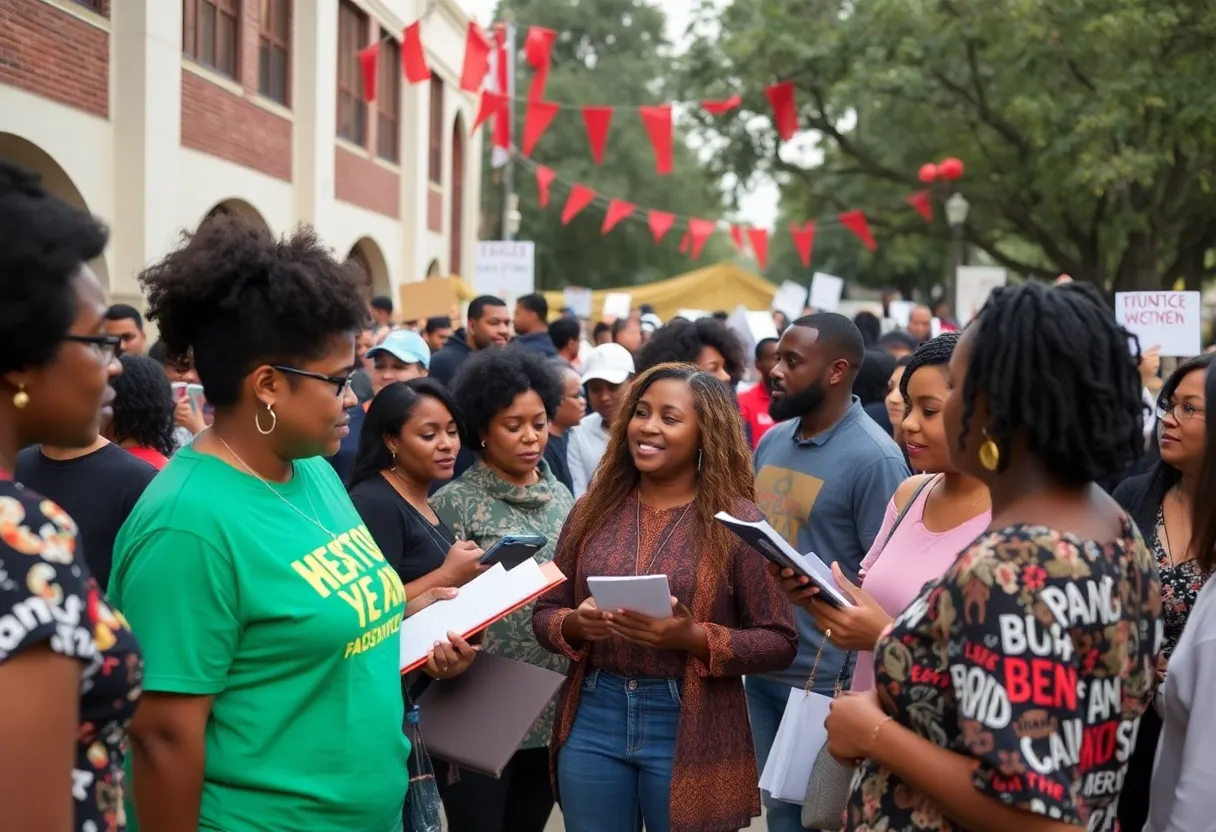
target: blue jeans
<point>619,755</point>
<point>765,706</point>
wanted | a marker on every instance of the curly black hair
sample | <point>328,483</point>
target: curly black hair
<point>935,352</point>
<point>43,242</point>
<point>143,405</point>
<point>234,297</point>
<point>681,341</point>
<point>1054,366</point>
<point>489,380</point>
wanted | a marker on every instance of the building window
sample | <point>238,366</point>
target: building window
<point>388,99</point>
<point>352,37</point>
<point>274,50</point>
<point>211,33</point>
<point>435,159</point>
<point>98,6</point>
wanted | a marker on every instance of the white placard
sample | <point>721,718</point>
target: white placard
<point>826,290</point>
<point>972,288</point>
<point>578,298</point>
<point>1169,320</point>
<point>751,328</point>
<point>505,270</point>
<point>616,305</point>
<point>790,299</point>
<point>901,312</point>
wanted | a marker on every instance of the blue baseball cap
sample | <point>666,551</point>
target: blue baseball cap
<point>406,346</point>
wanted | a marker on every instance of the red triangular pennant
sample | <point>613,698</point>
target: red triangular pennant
<point>413,56</point>
<point>501,135</point>
<point>804,241</point>
<point>476,59</point>
<point>700,230</point>
<point>580,197</point>
<point>597,120</point>
<point>920,201</point>
<point>368,58</point>
<point>618,209</point>
<point>537,119</point>
<point>658,127</point>
<point>856,222</point>
<point>492,104</point>
<point>785,113</point>
<point>538,46</point>
<point>736,237</point>
<point>544,178</point>
<point>684,243</point>
<point>721,107</point>
<point>660,223</point>
<point>758,237</point>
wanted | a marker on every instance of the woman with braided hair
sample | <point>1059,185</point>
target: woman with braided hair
<point>1008,694</point>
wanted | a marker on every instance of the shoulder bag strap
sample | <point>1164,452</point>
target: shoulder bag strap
<point>903,512</point>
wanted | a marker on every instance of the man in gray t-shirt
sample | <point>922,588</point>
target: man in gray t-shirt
<point>824,477</point>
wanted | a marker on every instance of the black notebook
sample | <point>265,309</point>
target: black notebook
<point>764,539</point>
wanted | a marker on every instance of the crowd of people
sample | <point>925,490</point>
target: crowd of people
<point>210,543</point>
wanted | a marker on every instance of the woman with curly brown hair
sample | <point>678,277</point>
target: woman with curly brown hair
<point>653,713</point>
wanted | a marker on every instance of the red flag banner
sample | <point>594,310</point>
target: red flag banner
<point>597,120</point>
<point>658,127</point>
<point>538,48</point>
<point>804,241</point>
<point>502,85</point>
<point>736,237</point>
<point>758,237</point>
<point>580,197</point>
<point>492,104</point>
<point>722,107</point>
<point>618,209</point>
<point>538,117</point>
<point>368,58</point>
<point>476,59</point>
<point>700,230</point>
<point>660,223</point>
<point>785,112</point>
<point>544,178</point>
<point>920,201</point>
<point>856,222</point>
<point>684,243</point>
<point>413,56</point>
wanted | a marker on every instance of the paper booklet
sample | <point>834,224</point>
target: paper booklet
<point>764,539</point>
<point>490,597</point>
<point>646,594</point>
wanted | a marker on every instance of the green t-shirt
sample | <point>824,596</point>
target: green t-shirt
<point>233,594</point>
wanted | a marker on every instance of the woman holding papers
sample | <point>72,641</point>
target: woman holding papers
<point>653,712</point>
<point>506,398</point>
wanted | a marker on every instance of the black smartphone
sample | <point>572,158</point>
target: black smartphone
<point>513,549</point>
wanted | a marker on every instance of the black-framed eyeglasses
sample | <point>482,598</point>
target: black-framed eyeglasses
<point>1181,411</point>
<point>105,347</point>
<point>340,382</point>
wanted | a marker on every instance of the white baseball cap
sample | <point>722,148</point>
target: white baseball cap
<point>608,362</point>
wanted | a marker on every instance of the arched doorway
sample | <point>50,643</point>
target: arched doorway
<point>456,225</point>
<point>433,269</point>
<point>238,208</point>
<point>54,178</point>
<point>366,254</point>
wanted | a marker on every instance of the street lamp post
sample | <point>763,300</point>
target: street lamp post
<point>957,207</point>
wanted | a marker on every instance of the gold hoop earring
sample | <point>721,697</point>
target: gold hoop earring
<point>274,421</point>
<point>990,453</point>
<point>21,398</point>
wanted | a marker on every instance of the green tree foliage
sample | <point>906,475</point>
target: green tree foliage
<point>609,52</point>
<point>1088,126</point>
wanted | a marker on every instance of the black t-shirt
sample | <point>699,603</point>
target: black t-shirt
<point>408,541</point>
<point>555,455</point>
<point>97,490</point>
<point>48,597</point>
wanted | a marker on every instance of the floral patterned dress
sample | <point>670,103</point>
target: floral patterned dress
<point>1034,654</point>
<point>1180,585</point>
<point>48,597</point>
<point>482,507</point>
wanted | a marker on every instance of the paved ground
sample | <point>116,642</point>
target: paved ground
<point>555,824</point>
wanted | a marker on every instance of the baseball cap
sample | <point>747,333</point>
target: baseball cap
<point>405,345</point>
<point>608,362</point>
<point>651,322</point>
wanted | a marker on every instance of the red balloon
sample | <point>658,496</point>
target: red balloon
<point>928,173</point>
<point>951,168</point>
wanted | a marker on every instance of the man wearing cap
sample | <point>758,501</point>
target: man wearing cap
<point>606,374</point>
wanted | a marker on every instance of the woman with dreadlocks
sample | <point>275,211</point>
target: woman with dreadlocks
<point>675,458</point>
<point>1008,694</point>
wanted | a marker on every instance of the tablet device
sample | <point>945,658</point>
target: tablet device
<point>513,549</point>
<point>764,539</point>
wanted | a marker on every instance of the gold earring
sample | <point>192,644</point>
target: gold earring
<point>990,453</point>
<point>21,398</point>
<point>274,421</point>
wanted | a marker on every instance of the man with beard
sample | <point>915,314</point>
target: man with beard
<point>824,477</point>
<point>489,326</point>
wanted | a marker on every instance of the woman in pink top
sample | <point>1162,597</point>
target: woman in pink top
<point>932,517</point>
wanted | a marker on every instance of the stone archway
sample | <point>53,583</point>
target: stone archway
<point>238,208</point>
<point>367,255</point>
<point>433,270</point>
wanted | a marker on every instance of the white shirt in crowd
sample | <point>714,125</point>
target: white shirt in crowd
<point>587,443</point>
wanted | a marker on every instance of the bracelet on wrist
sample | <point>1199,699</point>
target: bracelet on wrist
<point>874,736</point>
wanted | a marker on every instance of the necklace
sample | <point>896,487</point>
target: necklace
<point>436,537</point>
<point>315,519</point>
<point>637,559</point>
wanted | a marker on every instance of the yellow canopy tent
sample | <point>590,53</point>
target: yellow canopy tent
<point>720,286</point>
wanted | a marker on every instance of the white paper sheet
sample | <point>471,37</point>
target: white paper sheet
<point>646,594</point>
<point>826,290</point>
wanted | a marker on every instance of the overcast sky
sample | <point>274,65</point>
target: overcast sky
<point>758,207</point>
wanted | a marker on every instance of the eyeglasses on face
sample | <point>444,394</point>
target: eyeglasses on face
<point>1181,411</point>
<point>341,383</point>
<point>105,347</point>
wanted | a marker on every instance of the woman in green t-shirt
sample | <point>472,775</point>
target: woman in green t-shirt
<point>267,614</point>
